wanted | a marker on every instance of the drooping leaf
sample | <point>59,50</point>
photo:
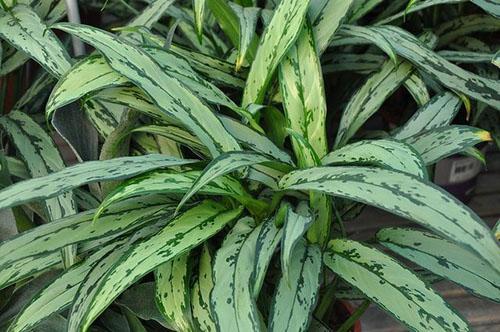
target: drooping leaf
<point>74,176</point>
<point>297,293</point>
<point>296,224</point>
<point>164,90</point>
<point>193,227</point>
<point>386,153</point>
<point>223,164</point>
<point>22,28</point>
<point>438,112</point>
<point>403,195</point>
<point>278,37</point>
<point>436,144</point>
<point>443,258</point>
<point>393,287</point>
<point>199,13</point>
<point>368,99</point>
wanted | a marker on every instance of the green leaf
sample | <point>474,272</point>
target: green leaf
<point>393,287</point>
<point>368,99</point>
<point>22,27</point>
<point>443,258</point>
<point>385,153</point>
<point>268,239</point>
<point>172,292</point>
<point>59,294</point>
<point>200,295</point>
<point>303,93</point>
<point>362,7</point>
<point>492,7</point>
<point>296,294</point>
<point>403,195</point>
<point>418,89</point>
<point>247,17</point>
<point>296,224</point>
<point>176,183</point>
<point>233,305</point>
<point>199,13</point>
<point>37,249</point>
<point>278,37</point>
<point>415,7</point>
<point>464,25</point>
<point>223,164</point>
<point>193,227</point>
<point>438,112</point>
<point>326,17</point>
<point>88,172</point>
<point>436,144</point>
<point>446,73</point>
<point>142,70</point>
<point>151,14</point>
<point>254,140</point>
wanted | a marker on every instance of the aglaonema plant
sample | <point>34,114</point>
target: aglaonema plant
<point>219,198</point>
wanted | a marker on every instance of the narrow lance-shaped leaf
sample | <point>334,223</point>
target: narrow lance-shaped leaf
<point>74,176</point>
<point>302,89</point>
<point>200,295</point>
<point>151,14</point>
<point>326,16</point>
<point>490,6</point>
<point>164,90</point>
<point>232,301</point>
<point>385,153</point>
<point>193,227</point>
<point>22,27</point>
<point>247,17</point>
<point>296,224</point>
<point>438,112</point>
<point>403,195</point>
<point>446,73</point>
<point>436,144</point>
<point>415,7</point>
<point>393,287</point>
<point>418,89</point>
<point>368,99</point>
<point>223,164</point>
<point>199,13</point>
<point>443,258</point>
<point>297,293</point>
<point>172,292</point>
<point>278,36</point>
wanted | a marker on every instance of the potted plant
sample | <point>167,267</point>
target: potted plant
<point>218,201</point>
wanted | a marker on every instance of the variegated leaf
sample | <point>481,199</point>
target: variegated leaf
<point>296,224</point>
<point>278,37</point>
<point>233,305</point>
<point>303,94</point>
<point>438,112</point>
<point>125,59</point>
<point>247,17</point>
<point>368,99</point>
<point>74,176</point>
<point>385,153</point>
<point>193,227</point>
<point>297,293</point>
<point>393,287</point>
<point>326,16</point>
<point>223,164</point>
<point>443,258</point>
<point>200,294</point>
<point>172,292</point>
<point>436,144</point>
<point>403,195</point>
<point>22,27</point>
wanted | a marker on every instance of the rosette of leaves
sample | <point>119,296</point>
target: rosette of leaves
<point>224,180</point>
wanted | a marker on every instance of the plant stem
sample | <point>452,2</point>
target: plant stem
<point>348,324</point>
<point>326,300</point>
